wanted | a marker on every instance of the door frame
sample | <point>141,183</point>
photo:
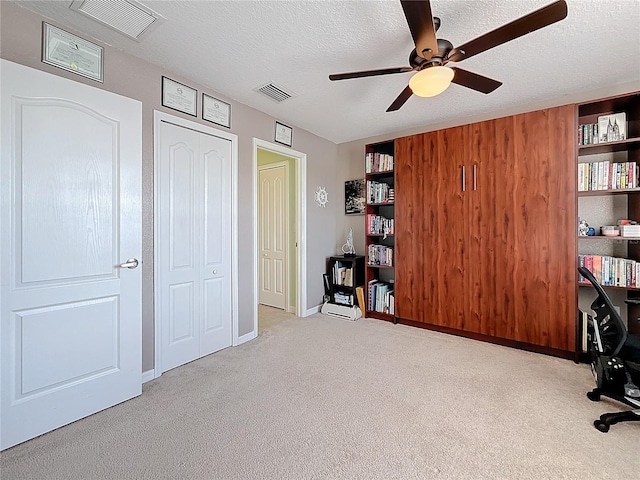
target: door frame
<point>159,117</point>
<point>300,160</point>
<point>287,292</point>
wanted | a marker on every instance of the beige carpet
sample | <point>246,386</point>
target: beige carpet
<point>323,397</point>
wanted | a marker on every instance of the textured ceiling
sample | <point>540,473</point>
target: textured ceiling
<point>235,46</point>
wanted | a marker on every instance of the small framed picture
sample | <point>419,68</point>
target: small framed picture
<point>354,203</point>
<point>216,111</point>
<point>69,52</point>
<point>283,134</point>
<point>179,97</point>
<point>612,127</point>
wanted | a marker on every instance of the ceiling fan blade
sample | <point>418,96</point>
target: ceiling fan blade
<point>402,98</point>
<point>543,17</point>
<point>474,81</point>
<point>420,20</point>
<point>369,73</point>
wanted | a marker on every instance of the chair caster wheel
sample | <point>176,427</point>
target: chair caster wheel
<point>601,426</point>
<point>593,396</point>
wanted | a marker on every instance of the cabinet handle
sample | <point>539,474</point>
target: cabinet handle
<point>463,179</point>
<point>474,177</point>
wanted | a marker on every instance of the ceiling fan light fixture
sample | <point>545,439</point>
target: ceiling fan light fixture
<point>431,81</point>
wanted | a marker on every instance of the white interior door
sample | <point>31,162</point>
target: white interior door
<point>194,243</point>
<point>71,187</point>
<point>273,232</point>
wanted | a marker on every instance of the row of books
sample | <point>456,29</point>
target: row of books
<point>342,275</point>
<point>607,175</point>
<point>343,298</point>
<point>380,255</point>
<point>588,134</point>
<point>611,271</point>
<point>378,225</point>
<point>608,128</point>
<point>381,297</point>
<point>379,192</point>
<point>378,162</point>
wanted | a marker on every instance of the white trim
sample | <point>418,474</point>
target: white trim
<point>301,226</point>
<point>149,375</point>
<point>198,127</point>
<point>287,280</point>
<point>246,337</point>
<point>312,311</point>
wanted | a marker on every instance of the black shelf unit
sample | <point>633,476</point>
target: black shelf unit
<point>345,293</point>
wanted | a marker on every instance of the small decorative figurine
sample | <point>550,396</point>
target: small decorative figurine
<point>348,249</point>
<point>583,228</point>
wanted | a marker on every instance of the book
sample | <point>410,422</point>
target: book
<point>360,295</point>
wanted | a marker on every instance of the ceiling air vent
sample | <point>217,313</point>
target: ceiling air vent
<point>128,17</point>
<point>274,92</point>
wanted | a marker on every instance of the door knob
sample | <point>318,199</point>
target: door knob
<point>131,263</point>
<point>215,271</point>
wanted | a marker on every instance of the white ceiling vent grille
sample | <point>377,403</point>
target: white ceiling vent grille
<point>128,17</point>
<point>274,92</point>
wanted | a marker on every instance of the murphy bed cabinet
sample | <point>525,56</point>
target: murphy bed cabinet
<point>485,230</point>
<point>379,231</point>
<point>605,200</point>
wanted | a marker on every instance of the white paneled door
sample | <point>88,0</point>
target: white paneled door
<point>194,205</point>
<point>273,231</point>
<point>71,313</point>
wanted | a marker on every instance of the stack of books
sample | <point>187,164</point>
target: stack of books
<point>630,230</point>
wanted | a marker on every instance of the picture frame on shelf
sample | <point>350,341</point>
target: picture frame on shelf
<point>612,128</point>
<point>354,197</point>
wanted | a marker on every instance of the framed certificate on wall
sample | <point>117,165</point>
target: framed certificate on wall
<point>283,134</point>
<point>216,111</point>
<point>72,53</point>
<point>179,97</point>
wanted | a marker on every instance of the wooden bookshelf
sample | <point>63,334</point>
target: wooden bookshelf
<point>626,151</point>
<point>380,208</point>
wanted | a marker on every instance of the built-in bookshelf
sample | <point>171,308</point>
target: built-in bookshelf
<point>608,154</point>
<point>379,230</point>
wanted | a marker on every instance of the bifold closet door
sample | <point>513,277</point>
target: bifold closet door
<point>194,244</point>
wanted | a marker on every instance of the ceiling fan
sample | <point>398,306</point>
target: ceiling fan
<point>431,54</point>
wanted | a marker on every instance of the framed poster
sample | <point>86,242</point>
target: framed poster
<point>72,53</point>
<point>354,203</point>
<point>283,134</point>
<point>179,97</point>
<point>216,111</point>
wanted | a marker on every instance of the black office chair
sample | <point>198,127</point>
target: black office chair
<point>615,359</point>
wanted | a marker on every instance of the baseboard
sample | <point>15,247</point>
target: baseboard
<point>312,310</point>
<point>148,375</point>
<point>245,338</point>
<point>554,352</point>
<point>291,309</point>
